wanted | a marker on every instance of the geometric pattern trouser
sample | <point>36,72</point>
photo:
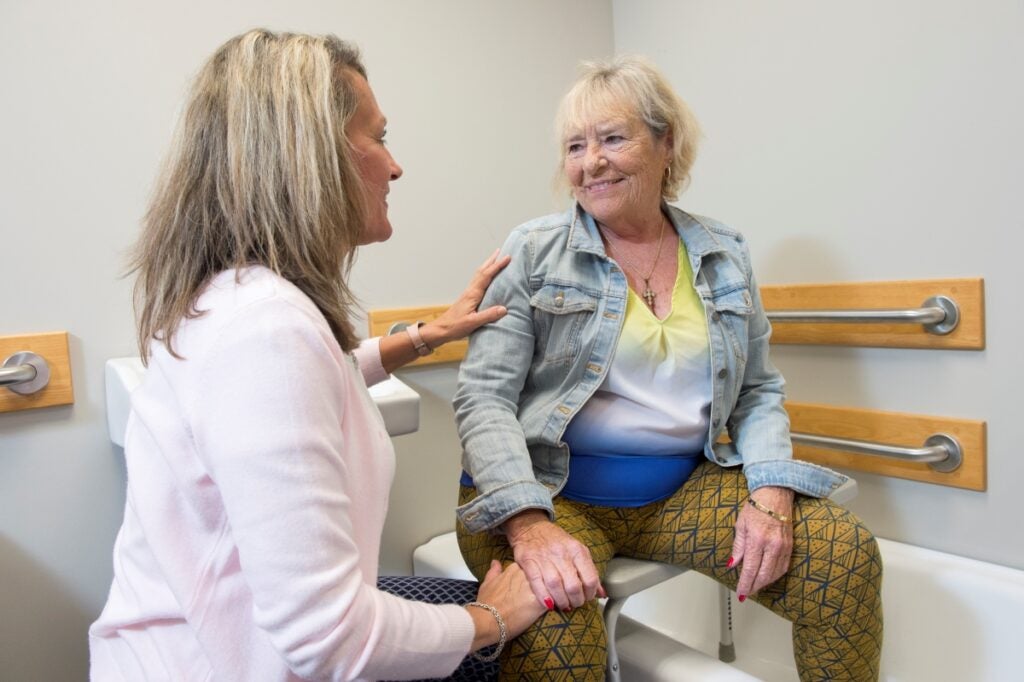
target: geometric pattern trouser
<point>831,593</point>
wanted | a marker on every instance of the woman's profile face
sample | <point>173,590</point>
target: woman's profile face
<point>615,164</point>
<point>366,131</point>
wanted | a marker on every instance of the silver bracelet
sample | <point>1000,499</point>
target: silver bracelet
<point>502,632</point>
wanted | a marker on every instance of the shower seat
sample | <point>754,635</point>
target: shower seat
<point>623,578</point>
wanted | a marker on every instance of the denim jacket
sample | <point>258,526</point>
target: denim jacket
<point>525,376</point>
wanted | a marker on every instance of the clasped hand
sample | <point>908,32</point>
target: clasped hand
<point>558,567</point>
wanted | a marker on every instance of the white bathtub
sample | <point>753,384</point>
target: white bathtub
<point>947,618</point>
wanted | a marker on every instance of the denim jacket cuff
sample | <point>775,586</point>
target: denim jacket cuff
<point>491,509</point>
<point>803,477</point>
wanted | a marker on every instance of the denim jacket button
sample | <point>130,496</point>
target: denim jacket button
<point>716,316</point>
<point>563,409</point>
<point>560,299</point>
<point>723,373</point>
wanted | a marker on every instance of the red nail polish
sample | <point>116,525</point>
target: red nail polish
<point>730,562</point>
<point>550,603</point>
<point>743,597</point>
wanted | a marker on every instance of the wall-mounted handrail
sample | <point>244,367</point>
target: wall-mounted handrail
<point>19,374</point>
<point>941,452</point>
<point>25,373</point>
<point>938,314</point>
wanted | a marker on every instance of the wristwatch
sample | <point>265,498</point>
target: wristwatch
<point>413,330</point>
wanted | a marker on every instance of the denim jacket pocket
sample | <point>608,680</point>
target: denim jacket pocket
<point>732,309</point>
<point>560,310</point>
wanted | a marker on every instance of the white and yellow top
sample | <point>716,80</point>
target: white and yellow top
<point>643,431</point>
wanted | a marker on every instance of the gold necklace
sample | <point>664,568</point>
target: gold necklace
<point>648,293</point>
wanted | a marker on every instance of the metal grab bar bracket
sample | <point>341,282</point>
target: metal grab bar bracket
<point>951,320</point>
<point>25,373</point>
<point>955,454</point>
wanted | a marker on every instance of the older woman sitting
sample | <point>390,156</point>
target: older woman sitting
<point>590,415</point>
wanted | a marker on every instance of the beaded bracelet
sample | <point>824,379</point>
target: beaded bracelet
<point>770,512</point>
<point>502,632</point>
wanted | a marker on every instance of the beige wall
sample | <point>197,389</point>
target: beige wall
<point>89,93</point>
<point>872,141</point>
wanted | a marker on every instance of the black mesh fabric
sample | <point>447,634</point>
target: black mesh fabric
<point>443,591</point>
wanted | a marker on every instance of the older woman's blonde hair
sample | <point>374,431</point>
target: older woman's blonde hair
<point>260,173</point>
<point>633,85</point>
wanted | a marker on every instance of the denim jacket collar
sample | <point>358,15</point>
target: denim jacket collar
<point>584,235</point>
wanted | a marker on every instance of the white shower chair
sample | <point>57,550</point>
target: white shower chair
<point>624,577</point>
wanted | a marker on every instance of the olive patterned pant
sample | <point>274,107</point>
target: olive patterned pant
<point>831,593</point>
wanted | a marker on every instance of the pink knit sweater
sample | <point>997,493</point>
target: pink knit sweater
<point>258,478</point>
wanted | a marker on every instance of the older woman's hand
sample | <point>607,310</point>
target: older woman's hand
<point>462,318</point>
<point>558,566</point>
<point>763,545</point>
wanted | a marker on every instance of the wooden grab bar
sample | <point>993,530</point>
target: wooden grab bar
<point>894,429</point>
<point>52,347</point>
<point>871,299</point>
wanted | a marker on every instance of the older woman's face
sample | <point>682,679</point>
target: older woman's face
<point>615,165</point>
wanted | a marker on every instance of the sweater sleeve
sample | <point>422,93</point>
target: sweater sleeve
<point>367,355</point>
<point>273,420</point>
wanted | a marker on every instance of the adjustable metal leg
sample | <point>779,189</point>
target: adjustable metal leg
<point>726,648</point>
<point>612,607</point>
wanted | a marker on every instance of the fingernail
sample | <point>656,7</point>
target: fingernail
<point>550,603</point>
<point>743,597</point>
<point>730,562</point>
<point>567,609</point>
<point>601,591</point>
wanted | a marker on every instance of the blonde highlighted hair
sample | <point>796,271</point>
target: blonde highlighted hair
<point>260,173</point>
<point>634,86</point>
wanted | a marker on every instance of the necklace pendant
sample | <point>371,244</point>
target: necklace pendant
<point>648,295</point>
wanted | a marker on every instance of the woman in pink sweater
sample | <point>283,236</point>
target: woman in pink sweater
<point>258,466</point>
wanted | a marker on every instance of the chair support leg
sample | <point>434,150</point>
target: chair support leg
<point>612,608</point>
<point>726,648</point>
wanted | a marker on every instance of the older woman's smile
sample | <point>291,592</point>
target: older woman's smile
<point>602,185</point>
